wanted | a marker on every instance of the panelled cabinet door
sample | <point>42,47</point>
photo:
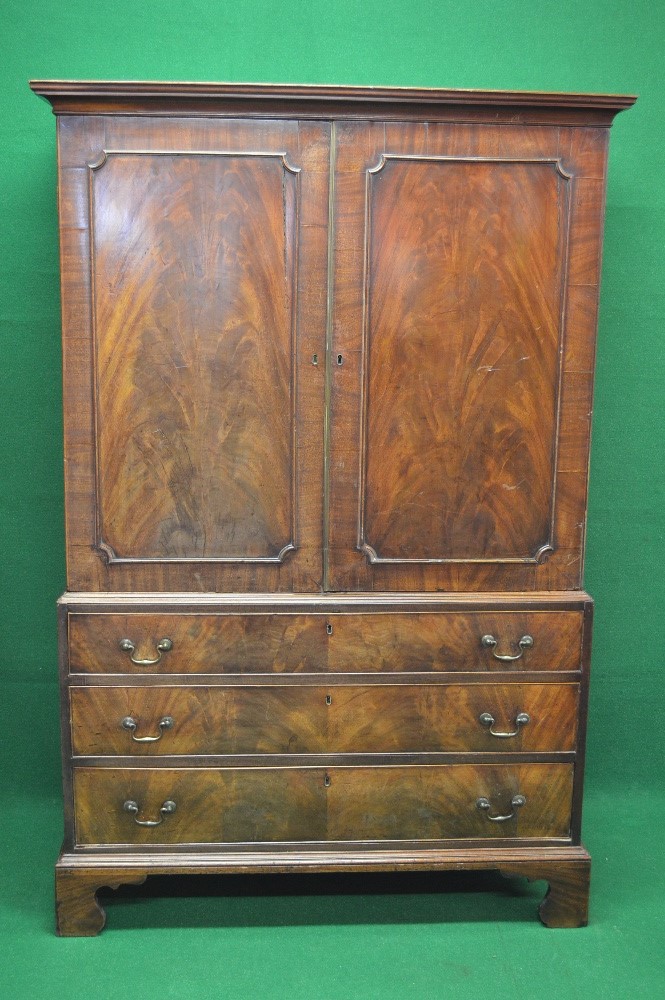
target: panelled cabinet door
<point>195,261</point>
<point>464,310</point>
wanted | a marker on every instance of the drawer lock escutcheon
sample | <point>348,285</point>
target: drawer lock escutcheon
<point>163,646</point>
<point>516,802</point>
<point>522,719</point>
<point>131,726</point>
<point>489,642</point>
<point>132,808</point>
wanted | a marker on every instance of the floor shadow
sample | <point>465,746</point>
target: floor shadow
<point>320,900</point>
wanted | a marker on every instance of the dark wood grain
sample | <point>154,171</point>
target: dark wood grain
<point>200,461</point>
<point>453,641</point>
<point>566,868</point>
<point>319,720</point>
<point>285,643</point>
<point>465,274</point>
<point>221,805</point>
<point>228,805</point>
<point>77,909</point>
<point>194,307</point>
<point>328,362</point>
<point>566,903</point>
<point>159,98</point>
<point>487,425</point>
<point>201,643</point>
<point>436,802</point>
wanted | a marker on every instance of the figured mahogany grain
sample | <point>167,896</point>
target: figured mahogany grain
<point>442,718</point>
<point>380,718</point>
<point>194,263</point>
<point>412,641</point>
<point>465,274</point>
<point>201,643</point>
<point>232,805</point>
<point>222,805</point>
<point>460,254</point>
<point>286,643</point>
<point>194,302</point>
<point>436,801</point>
<point>322,342</point>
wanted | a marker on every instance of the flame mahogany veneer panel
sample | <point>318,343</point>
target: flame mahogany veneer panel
<point>288,643</point>
<point>194,307</point>
<point>465,275</point>
<point>465,300</point>
<point>239,805</point>
<point>194,263</point>
<point>380,718</point>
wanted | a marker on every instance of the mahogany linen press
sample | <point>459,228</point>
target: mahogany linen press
<point>328,365</point>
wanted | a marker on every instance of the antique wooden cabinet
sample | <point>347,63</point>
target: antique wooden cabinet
<point>328,360</point>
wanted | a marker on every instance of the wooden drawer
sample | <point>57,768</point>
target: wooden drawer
<point>243,805</point>
<point>201,643</point>
<point>293,643</point>
<point>453,641</point>
<point>290,719</point>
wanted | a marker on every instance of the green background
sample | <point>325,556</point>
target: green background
<point>307,938</point>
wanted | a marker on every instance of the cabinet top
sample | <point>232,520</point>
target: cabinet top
<point>327,101</point>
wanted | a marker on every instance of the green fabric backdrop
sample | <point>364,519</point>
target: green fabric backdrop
<point>274,940</point>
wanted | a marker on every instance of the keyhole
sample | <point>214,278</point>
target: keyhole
<point>329,628</point>
<point>340,359</point>
<point>328,699</point>
<point>315,359</point>
<point>326,781</point>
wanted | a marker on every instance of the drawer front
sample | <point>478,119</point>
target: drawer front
<point>293,643</point>
<point>288,719</point>
<point>199,643</point>
<point>249,805</point>
<point>453,641</point>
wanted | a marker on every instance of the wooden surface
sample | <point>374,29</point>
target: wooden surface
<point>328,359</point>
<point>193,412</point>
<point>465,267</point>
<point>566,869</point>
<point>469,472</point>
<point>194,316</point>
<point>286,643</point>
<point>464,308</point>
<point>77,910</point>
<point>301,720</point>
<point>159,98</point>
<point>229,805</point>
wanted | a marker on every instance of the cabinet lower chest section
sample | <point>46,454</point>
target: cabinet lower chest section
<point>319,727</point>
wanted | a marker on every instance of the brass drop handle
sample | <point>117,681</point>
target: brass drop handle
<point>163,646</point>
<point>516,802</point>
<point>489,642</point>
<point>166,810</point>
<point>522,719</point>
<point>131,726</point>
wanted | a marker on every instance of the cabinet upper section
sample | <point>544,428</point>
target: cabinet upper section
<point>349,350</point>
